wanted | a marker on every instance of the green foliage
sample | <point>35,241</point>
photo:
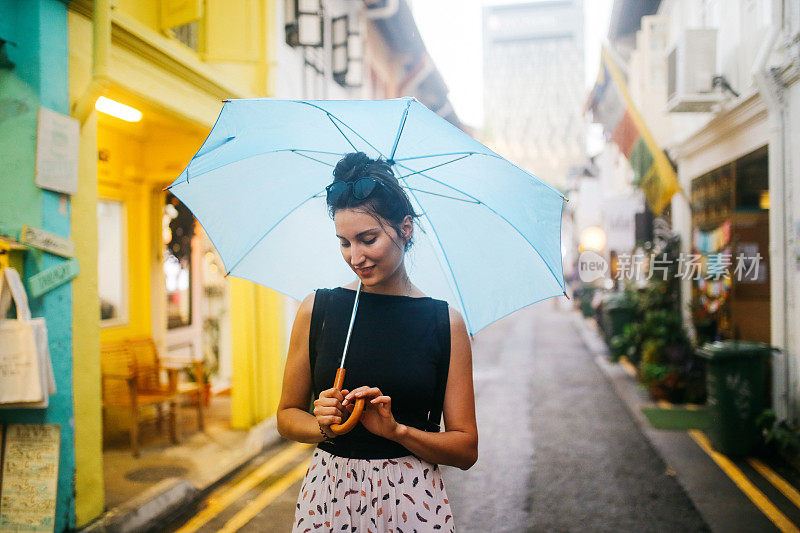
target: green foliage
<point>625,344</point>
<point>648,337</point>
<point>778,435</point>
<point>665,327</point>
<point>655,340</point>
<point>652,372</point>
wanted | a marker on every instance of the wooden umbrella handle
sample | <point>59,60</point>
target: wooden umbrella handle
<point>350,423</point>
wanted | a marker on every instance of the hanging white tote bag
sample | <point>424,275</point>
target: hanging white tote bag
<point>26,372</point>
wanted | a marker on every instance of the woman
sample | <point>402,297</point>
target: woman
<point>383,475</point>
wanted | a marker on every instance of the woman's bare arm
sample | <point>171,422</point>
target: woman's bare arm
<point>458,444</point>
<point>294,421</point>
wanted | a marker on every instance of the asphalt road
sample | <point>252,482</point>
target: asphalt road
<point>558,450</point>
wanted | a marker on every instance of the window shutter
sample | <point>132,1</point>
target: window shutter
<point>232,31</point>
<point>179,12</point>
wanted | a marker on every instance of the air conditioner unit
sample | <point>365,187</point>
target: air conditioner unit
<point>691,65</point>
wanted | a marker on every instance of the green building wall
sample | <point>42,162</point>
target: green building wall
<point>39,30</point>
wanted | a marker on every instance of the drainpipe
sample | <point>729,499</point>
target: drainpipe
<point>101,52</point>
<point>772,94</point>
<point>384,12</point>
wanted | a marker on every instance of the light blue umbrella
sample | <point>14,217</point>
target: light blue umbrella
<point>488,241</point>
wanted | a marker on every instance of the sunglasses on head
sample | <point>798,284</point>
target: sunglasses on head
<point>360,189</point>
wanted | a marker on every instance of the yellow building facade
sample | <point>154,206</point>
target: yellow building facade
<point>173,62</point>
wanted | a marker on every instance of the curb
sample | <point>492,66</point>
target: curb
<point>722,506</point>
<point>162,502</point>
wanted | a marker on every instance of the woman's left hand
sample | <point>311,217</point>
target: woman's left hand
<point>377,416</point>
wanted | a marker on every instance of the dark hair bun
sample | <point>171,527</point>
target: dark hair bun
<point>350,166</point>
<point>358,165</point>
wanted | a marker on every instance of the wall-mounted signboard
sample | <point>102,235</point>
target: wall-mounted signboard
<point>29,477</point>
<point>57,140</point>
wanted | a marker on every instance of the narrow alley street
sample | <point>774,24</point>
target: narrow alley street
<point>558,450</point>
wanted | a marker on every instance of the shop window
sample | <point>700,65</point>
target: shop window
<point>752,182</point>
<point>177,233</point>
<point>303,22</point>
<point>111,252</point>
<point>180,19</point>
<point>218,30</point>
<point>187,34</point>
<point>730,215</point>
<point>346,50</point>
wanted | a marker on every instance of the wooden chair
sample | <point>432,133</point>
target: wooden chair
<point>131,375</point>
<point>146,355</point>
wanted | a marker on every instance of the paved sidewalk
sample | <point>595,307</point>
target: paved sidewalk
<point>723,505</point>
<point>199,463</point>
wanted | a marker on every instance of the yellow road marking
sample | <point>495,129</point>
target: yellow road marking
<point>781,484</point>
<point>218,504</point>
<point>745,485</point>
<point>265,498</point>
<point>629,368</point>
<point>664,404</point>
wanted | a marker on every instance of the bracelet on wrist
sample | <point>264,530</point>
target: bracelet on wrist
<point>325,436</point>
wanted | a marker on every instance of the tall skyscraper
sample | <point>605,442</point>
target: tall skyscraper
<point>533,83</point>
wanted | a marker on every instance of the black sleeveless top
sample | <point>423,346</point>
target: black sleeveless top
<point>398,344</point>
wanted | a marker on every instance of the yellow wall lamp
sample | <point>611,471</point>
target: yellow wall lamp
<point>118,110</point>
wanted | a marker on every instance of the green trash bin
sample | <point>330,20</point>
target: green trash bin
<point>736,383</point>
<point>618,310</point>
<point>587,294</point>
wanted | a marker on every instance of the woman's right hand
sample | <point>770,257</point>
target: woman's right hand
<point>328,409</point>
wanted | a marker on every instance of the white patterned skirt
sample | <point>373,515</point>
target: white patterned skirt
<point>401,495</point>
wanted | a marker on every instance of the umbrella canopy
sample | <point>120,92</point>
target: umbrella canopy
<point>488,241</point>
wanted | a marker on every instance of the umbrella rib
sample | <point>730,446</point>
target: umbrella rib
<point>442,195</point>
<point>312,158</point>
<point>292,210</point>
<point>322,194</point>
<point>496,213</point>
<point>435,155</point>
<point>305,150</point>
<point>256,155</point>
<point>435,166</point>
<point>400,130</point>
<point>331,116</point>
<point>346,138</point>
<point>446,259</point>
<point>495,156</point>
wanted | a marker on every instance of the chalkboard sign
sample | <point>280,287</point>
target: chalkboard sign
<point>30,475</point>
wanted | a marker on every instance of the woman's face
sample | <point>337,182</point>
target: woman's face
<point>370,247</point>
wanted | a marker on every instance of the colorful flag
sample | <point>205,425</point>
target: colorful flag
<point>612,107</point>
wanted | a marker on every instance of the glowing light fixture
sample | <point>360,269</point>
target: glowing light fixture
<point>763,200</point>
<point>115,109</point>
<point>593,238</point>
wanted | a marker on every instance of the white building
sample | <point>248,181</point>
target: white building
<point>346,49</point>
<point>716,82</point>
<point>533,78</point>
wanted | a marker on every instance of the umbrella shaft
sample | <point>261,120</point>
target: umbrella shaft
<point>352,321</point>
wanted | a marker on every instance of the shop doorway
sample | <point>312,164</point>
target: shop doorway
<point>730,214</point>
<point>164,310</point>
